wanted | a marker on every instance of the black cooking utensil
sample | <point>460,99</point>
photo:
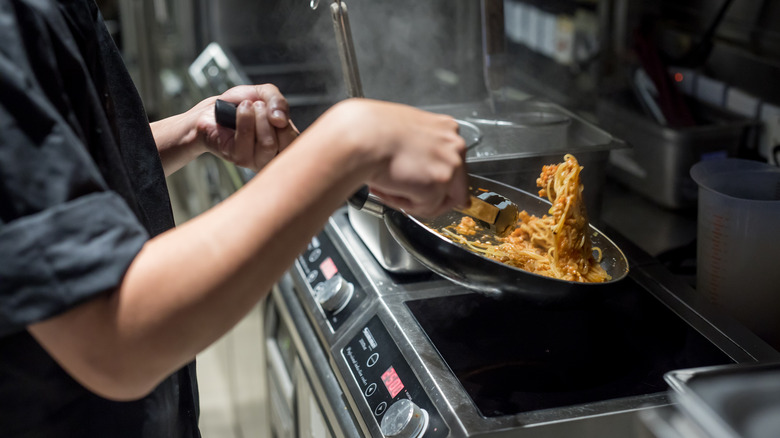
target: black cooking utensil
<point>225,113</point>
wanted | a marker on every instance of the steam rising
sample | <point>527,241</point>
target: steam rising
<point>416,52</point>
<point>419,52</point>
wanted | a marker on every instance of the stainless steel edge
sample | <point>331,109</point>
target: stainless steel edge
<point>617,417</point>
<point>457,405</point>
<point>313,357</point>
<point>594,420</point>
<point>729,335</point>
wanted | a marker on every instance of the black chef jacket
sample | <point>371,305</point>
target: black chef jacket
<point>81,189</point>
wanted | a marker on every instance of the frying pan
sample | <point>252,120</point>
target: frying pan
<point>471,269</point>
<point>477,272</point>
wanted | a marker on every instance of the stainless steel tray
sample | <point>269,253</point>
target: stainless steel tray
<point>730,401</point>
<point>519,137</point>
<point>658,163</point>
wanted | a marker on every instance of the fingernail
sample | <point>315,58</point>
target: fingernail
<point>279,114</point>
<point>259,104</point>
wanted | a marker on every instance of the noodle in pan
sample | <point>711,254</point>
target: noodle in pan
<point>554,245</point>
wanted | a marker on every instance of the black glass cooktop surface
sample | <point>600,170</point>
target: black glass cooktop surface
<point>512,358</point>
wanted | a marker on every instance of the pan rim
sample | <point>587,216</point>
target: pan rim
<point>621,258</point>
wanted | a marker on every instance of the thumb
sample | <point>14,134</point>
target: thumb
<point>287,135</point>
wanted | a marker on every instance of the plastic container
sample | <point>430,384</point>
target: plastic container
<point>737,241</point>
<point>658,163</point>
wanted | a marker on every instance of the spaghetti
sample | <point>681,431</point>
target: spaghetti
<point>554,245</point>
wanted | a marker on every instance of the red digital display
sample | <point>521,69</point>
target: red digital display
<point>328,268</point>
<point>393,383</point>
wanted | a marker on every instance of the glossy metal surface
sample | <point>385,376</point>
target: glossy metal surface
<point>404,419</point>
<point>346,47</point>
<point>730,401</point>
<point>477,272</point>
<point>387,298</point>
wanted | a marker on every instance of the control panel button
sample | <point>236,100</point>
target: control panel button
<point>315,255</point>
<point>334,294</point>
<point>384,378</point>
<point>380,409</point>
<point>404,419</point>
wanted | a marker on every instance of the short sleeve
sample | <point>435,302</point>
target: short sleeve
<point>55,259</point>
<point>65,234</point>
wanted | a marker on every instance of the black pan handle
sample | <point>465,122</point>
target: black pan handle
<point>365,202</point>
<point>359,198</point>
<point>225,113</point>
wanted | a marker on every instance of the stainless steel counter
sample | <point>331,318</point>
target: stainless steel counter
<point>653,228</point>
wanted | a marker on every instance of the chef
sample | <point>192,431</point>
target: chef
<point>103,303</point>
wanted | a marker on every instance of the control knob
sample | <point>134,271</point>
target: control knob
<point>404,419</point>
<point>334,294</point>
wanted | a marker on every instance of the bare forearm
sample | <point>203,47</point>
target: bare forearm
<point>177,138</point>
<point>263,129</point>
<point>188,286</point>
<point>218,265</point>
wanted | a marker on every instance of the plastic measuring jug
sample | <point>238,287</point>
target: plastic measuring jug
<point>738,239</point>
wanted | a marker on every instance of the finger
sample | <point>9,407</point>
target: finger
<point>457,185</point>
<point>424,208</point>
<point>244,137</point>
<point>395,201</point>
<point>266,142</point>
<point>278,107</point>
<point>458,190</point>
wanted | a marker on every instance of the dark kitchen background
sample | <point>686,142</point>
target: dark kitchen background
<point>712,66</point>
<point>677,81</point>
